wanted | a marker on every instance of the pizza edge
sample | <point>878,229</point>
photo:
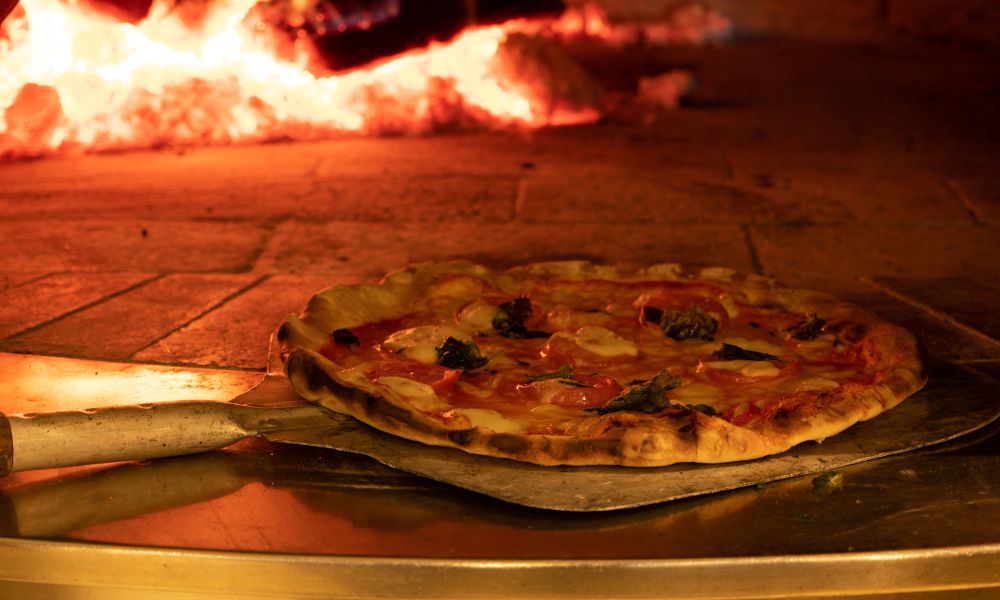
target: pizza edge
<point>626,439</point>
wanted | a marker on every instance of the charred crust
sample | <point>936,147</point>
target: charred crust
<point>688,432</point>
<point>462,437</point>
<point>510,444</point>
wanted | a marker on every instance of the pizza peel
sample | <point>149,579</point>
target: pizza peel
<point>954,403</point>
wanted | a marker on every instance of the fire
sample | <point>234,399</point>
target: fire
<point>74,79</point>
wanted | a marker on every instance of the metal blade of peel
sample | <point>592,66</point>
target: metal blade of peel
<point>949,407</point>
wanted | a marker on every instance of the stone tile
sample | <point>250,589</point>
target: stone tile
<point>125,324</point>
<point>980,192</point>
<point>9,280</point>
<point>50,297</point>
<point>939,338</point>
<point>819,188</point>
<point>665,197</point>
<point>973,20</point>
<point>431,197</point>
<point>365,251</point>
<point>237,333</point>
<point>831,258</point>
<point>409,179</point>
<point>103,245</point>
<point>968,300</point>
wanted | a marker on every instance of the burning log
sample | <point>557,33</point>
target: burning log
<point>33,119</point>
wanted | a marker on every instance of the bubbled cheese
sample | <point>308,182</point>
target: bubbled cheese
<point>477,315</point>
<point>421,343</point>
<point>601,341</point>
<point>488,419</point>
<point>420,395</point>
<point>749,368</point>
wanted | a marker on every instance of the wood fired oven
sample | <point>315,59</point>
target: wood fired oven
<point>160,219</point>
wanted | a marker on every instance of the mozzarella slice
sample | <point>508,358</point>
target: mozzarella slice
<point>477,315</point>
<point>749,368</point>
<point>488,419</point>
<point>695,393</point>
<point>421,343</point>
<point>420,395</point>
<point>601,341</point>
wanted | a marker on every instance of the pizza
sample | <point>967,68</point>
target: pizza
<point>575,363</point>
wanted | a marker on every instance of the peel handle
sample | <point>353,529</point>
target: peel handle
<point>62,439</point>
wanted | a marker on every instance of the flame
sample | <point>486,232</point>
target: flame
<point>71,78</point>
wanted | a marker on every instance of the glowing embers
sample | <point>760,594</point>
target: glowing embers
<point>74,79</point>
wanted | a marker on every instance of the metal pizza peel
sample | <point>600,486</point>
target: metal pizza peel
<point>954,403</point>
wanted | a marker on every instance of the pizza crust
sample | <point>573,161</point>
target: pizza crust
<point>619,438</point>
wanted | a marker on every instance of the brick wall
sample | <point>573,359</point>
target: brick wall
<point>976,21</point>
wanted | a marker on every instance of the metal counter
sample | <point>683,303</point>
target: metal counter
<point>284,521</point>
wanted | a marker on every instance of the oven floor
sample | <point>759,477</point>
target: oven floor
<point>865,171</point>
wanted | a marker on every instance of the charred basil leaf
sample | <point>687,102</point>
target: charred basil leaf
<point>809,329</point>
<point>564,374</point>
<point>692,324</point>
<point>509,320</point>
<point>647,397</point>
<point>651,314</point>
<point>345,337</point>
<point>456,354</point>
<point>702,408</point>
<point>733,352</point>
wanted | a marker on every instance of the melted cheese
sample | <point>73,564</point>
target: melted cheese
<point>476,316</point>
<point>695,393</point>
<point>488,419</point>
<point>601,341</point>
<point>421,343</point>
<point>749,368</point>
<point>420,395</point>
<point>816,384</point>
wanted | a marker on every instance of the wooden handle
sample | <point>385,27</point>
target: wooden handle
<point>62,439</point>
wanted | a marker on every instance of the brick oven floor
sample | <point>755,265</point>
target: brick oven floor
<point>869,172</point>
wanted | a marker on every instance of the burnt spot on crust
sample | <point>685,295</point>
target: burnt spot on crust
<point>462,437</point>
<point>510,444</point>
<point>687,430</point>
<point>375,408</point>
<point>850,331</point>
<point>595,447</point>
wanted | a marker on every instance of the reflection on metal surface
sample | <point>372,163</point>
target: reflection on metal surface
<point>185,574</point>
<point>63,505</point>
<point>41,384</point>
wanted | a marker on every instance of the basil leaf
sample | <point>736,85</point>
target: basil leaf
<point>733,352</point>
<point>509,320</point>
<point>456,354</point>
<point>702,408</point>
<point>692,324</point>
<point>345,337</point>
<point>647,397</point>
<point>808,329</point>
<point>563,374</point>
